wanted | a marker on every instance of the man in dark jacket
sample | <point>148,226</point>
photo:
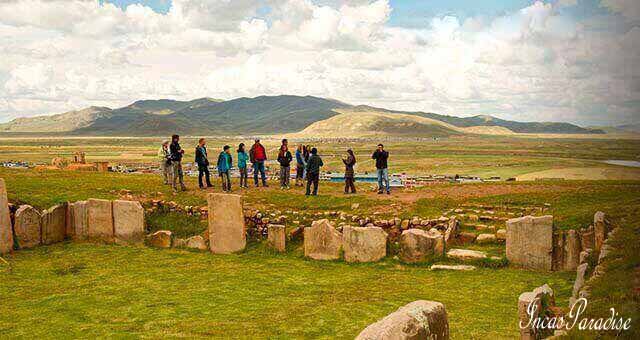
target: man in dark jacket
<point>258,155</point>
<point>284,158</point>
<point>176,153</point>
<point>313,171</point>
<point>203,163</point>
<point>381,156</point>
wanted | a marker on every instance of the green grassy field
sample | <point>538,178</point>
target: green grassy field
<point>113,291</point>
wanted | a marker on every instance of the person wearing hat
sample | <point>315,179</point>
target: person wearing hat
<point>313,171</point>
<point>258,155</point>
<point>164,159</point>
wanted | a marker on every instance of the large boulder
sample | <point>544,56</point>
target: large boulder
<point>322,241</point>
<point>364,244</point>
<point>79,220</point>
<point>160,239</point>
<point>417,245</point>
<point>54,224</point>
<point>6,234</point>
<point>276,237</point>
<point>530,242</point>
<point>417,320</point>
<point>128,222</point>
<point>100,220</point>
<point>27,227</point>
<point>226,223</point>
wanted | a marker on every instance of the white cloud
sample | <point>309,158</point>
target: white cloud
<point>532,64</point>
<point>628,8</point>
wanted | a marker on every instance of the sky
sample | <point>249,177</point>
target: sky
<point>574,61</point>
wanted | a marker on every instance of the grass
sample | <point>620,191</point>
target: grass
<point>113,291</point>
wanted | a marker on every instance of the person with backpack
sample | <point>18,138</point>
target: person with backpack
<point>203,163</point>
<point>313,172</point>
<point>242,166</point>
<point>349,176</point>
<point>381,156</point>
<point>224,167</point>
<point>258,155</point>
<point>176,154</point>
<point>284,158</point>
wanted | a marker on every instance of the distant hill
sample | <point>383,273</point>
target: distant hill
<point>266,115</point>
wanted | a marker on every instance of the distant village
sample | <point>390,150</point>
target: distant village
<point>399,180</point>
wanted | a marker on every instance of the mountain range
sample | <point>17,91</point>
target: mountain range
<point>267,115</point>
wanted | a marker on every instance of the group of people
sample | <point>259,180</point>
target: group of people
<point>308,164</point>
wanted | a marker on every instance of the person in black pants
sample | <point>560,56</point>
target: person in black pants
<point>349,176</point>
<point>313,172</point>
<point>203,163</point>
<point>176,153</point>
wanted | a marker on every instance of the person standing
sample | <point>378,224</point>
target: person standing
<point>349,176</point>
<point>381,156</point>
<point>258,155</point>
<point>164,158</point>
<point>305,158</point>
<point>242,165</point>
<point>284,158</point>
<point>299,166</point>
<point>224,166</point>
<point>176,154</point>
<point>313,172</point>
<point>203,163</point>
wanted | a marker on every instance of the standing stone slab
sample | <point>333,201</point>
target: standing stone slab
<point>27,227</point>
<point>100,220</point>
<point>418,320</point>
<point>6,234</point>
<point>226,224</point>
<point>322,241</point>
<point>276,237</point>
<point>572,249</point>
<point>600,229</point>
<point>79,220</point>
<point>524,301</point>
<point>417,245</point>
<point>364,244</point>
<point>530,242</point>
<point>128,222</point>
<point>54,224</point>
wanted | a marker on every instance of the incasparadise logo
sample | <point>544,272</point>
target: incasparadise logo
<point>615,322</point>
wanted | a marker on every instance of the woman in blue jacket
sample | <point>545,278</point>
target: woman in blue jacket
<point>242,165</point>
<point>224,166</point>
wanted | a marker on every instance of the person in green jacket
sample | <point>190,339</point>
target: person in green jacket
<point>224,167</point>
<point>242,165</point>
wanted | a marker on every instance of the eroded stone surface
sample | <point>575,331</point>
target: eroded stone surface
<point>196,242</point>
<point>486,238</point>
<point>417,320</point>
<point>466,254</point>
<point>322,241</point>
<point>571,258</point>
<point>100,220</point>
<point>276,237</point>
<point>160,239</point>
<point>226,223</point>
<point>79,220</point>
<point>27,227</point>
<point>368,244</point>
<point>417,245</point>
<point>128,222</point>
<point>530,242</point>
<point>54,222</point>
<point>6,235</point>
<point>459,267</point>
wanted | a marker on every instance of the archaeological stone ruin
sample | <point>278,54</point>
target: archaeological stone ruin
<point>6,236</point>
<point>417,320</point>
<point>226,223</point>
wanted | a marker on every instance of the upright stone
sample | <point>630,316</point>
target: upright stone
<point>100,220</point>
<point>322,241</point>
<point>571,250</point>
<point>530,242</point>
<point>417,245</point>
<point>587,238</point>
<point>79,220</point>
<point>54,224</point>
<point>128,222</point>
<point>364,244</point>
<point>600,229</point>
<point>226,224</point>
<point>27,227</point>
<point>452,231</point>
<point>276,237</point>
<point>6,234</point>
<point>417,320</point>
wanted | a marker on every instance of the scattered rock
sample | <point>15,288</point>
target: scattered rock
<point>466,254</point>
<point>459,267</point>
<point>196,242</point>
<point>486,238</point>
<point>160,239</point>
<point>417,320</point>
